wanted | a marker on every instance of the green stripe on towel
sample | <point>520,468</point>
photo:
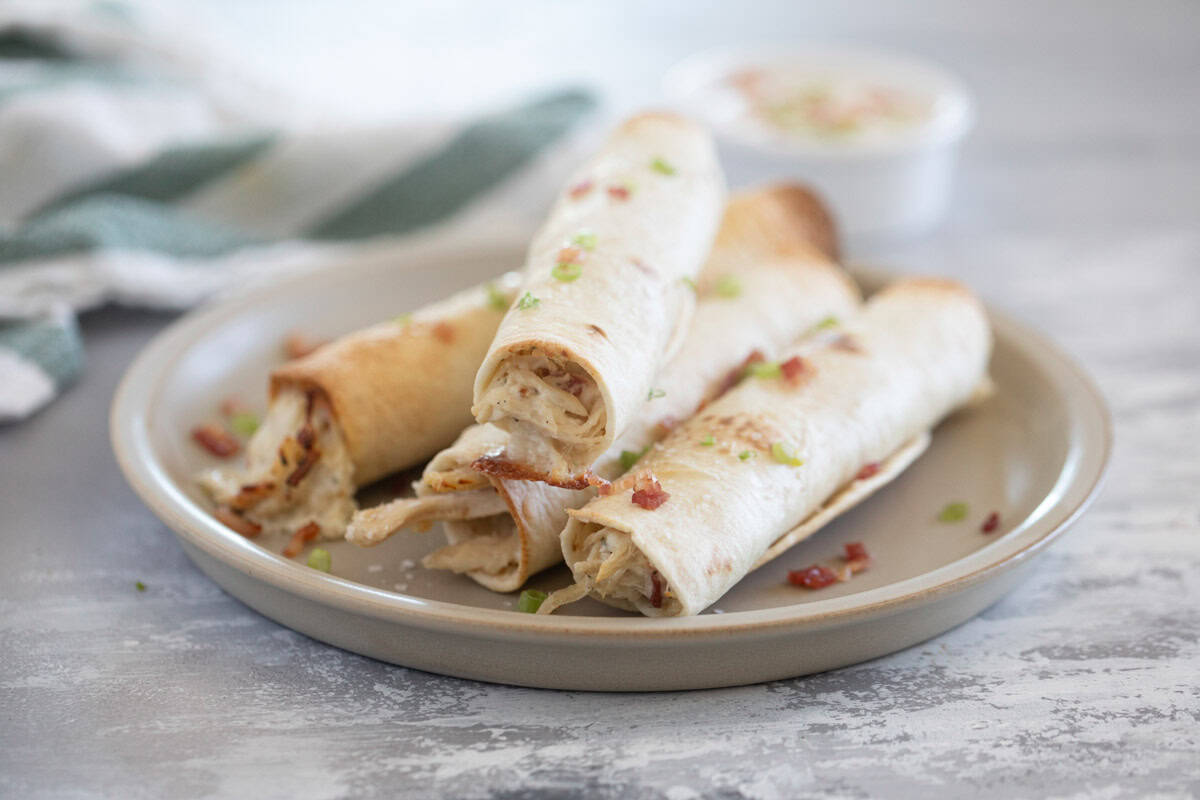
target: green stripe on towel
<point>475,160</point>
<point>110,221</point>
<point>52,344</point>
<point>173,173</point>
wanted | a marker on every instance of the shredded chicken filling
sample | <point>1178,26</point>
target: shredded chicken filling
<point>613,568</point>
<point>298,470</point>
<point>550,398</point>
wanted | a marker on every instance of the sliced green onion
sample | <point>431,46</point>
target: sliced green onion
<point>746,455</point>
<point>825,324</point>
<point>567,271</point>
<point>630,457</point>
<point>141,587</point>
<point>404,318</point>
<point>586,241</point>
<point>708,441</point>
<point>661,166</point>
<point>688,282</point>
<point>527,302</point>
<point>953,512</point>
<point>320,559</point>
<point>496,298</point>
<point>244,423</point>
<point>764,369</point>
<point>531,600</point>
<point>654,394</point>
<point>784,455</point>
<point>728,286</point>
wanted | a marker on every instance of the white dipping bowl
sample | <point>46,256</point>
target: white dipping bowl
<point>882,181</point>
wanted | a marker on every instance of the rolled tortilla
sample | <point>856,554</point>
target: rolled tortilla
<point>866,394</point>
<point>774,246</point>
<point>361,407</point>
<point>608,301</point>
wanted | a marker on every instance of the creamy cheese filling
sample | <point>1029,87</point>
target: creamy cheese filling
<point>552,408</point>
<point>298,470</point>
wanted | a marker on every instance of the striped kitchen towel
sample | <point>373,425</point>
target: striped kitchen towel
<point>135,169</point>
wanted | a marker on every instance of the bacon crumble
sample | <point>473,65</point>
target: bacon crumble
<point>656,590</point>
<point>991,523</point>
<point>580,189</point>
<point>816,576</point>
<point>236,522</point>
<point>216,440</point>
<point>301,537</point>
<point>648,492</point>
<point>868,471</point>
<point>793,368</point>
<point>618,192</point>
<point>251,494</point>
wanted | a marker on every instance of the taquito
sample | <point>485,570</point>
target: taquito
<point>605,298</point>
<point>737,482</point>
<point>358,408</point>
<point>769,279</point>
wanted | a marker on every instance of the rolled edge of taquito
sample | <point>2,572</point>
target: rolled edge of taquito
<point>367,404</point>
<point>608,300</point>
<point>863,395</point>
<point>401,390</point>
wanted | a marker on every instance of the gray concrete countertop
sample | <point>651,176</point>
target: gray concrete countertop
<point>1077,211</point>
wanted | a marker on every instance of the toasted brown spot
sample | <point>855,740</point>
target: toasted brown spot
<point>847,344</point>
<point>444,332</point>
<point>596,329</point>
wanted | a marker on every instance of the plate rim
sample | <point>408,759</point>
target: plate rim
<point>142,382</point>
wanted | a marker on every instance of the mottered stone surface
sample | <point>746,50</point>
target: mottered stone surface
<point>1077,212</point>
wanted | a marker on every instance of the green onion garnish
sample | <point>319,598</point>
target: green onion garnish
<point>828,322</point>
<point>567,271</point>
<point>586,241</point>
<point>244,423</point>
<point>688,282</point>
<point>530,600</point>
<point>728,286</point>
<point>764,369</point>
<point>661,166</point>
<point>320,559</point>
<point>784,455</point>
<point>655,393</point>
<point>496,298</point>
<point>404,318</point>
<point>746,455</point>
<point>527,302</point>
<point>141,587</point>
<point>953,512</point>
<point>631,457</point>
<point>708,441</point>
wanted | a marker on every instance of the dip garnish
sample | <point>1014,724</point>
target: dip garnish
<point>567,271</point>
<point>630,457</point>
<point>496,298</point>
<point>244,423</point>
<point>585,240</point>
<point>320,559</point>
<point>953,512</point>
<point>784,455</point>
<point>728,286</point>
<point>531,600</point>
<point>659,165</point>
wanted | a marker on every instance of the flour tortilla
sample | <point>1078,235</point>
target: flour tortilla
<point>378,400</point>
<point>566,376</point>
<point>869,393</point>
<point>775,244</point>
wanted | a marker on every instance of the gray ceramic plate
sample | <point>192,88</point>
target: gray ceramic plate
<point>1035,453</point>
